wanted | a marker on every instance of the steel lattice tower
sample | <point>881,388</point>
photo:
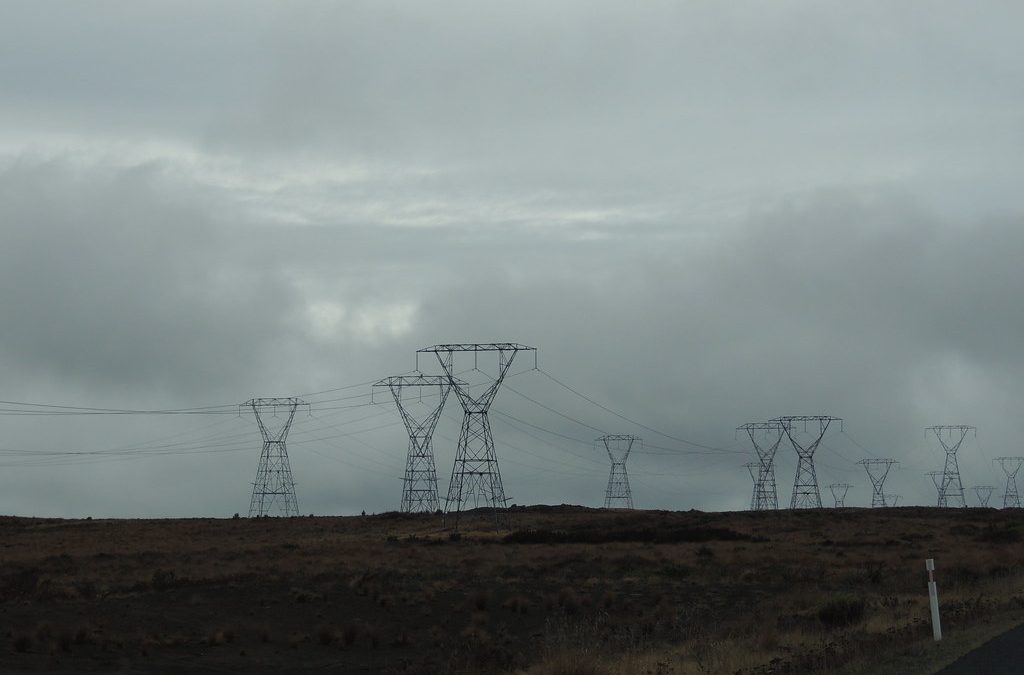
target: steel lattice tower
<point>1010,466</point>
<point>765,495</point>
<point>806,494</point>
<point>839,491</point>
<point>892,500</point>
<point>877,470</point>
<point>419,487</point>
<point>752,468</point>
<point>274,489</point>
<point>983,493</point>
<point>618,494</point>
<point>951,493</point>
<point>476,478</point>
<point>936,477</point>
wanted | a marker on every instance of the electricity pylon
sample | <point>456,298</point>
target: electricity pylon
<point>983,493</point>
<point>877,470</point>
<point>806,494</point>
<point>936,477</point>
<point>1010,466</point>
<point>274,487</point>
<point>952,491</point>
<point>618,491</point>
<point>839,491</point>
<point>419,487</point>
<point>476,478</point>
<point>765,495</point>
<point>892,500</point>
<point>752,468</point>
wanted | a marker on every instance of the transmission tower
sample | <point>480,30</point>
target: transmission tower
<point>892,500</point>
<point>1010,466</point>
<point>618,491</point>
<point>771,434</point>
<point>805,487</point>
<point>951,493</point>
<point>877,470</point>
<point>274,489</point>
<point>419,487</point>
<point>983,493</point>
<point>752,467</point>
<point>936,477</point>
<point>475,475</point>
<point>839,491</point>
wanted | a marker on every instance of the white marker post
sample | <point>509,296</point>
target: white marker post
<point>933,599</point>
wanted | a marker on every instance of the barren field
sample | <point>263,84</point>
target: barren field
<point>571,590</point>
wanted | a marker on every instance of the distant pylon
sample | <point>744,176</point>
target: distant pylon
<point>771,434</point>
<point>952,491</point>
<point>983,493</point>
<point>752,467</point>
<point>419,487</point>
<point>892,500</point>
<point>476,478</point>
<point>618,493</point>
<point>839,491</point>
<point>274,488</point>
<point>806,494</point>
<point>1010,466</point>
<point>877,470</point>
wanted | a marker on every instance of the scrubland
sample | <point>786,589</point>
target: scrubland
<point>570,590</point>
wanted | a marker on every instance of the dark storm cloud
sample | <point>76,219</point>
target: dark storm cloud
<point>702,215</point>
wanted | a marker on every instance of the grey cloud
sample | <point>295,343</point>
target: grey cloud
<point>112,280</point>
<point>701,215</point>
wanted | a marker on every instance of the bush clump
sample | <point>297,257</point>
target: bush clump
<point>841,611</point>
<point>997,535</point>
<point>654,535</point>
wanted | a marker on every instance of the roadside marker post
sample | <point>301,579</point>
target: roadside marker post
<point>933,599</point>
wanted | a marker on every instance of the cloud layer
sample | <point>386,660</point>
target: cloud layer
<point>701,216</point>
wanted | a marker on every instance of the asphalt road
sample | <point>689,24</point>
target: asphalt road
<point>1002,655</point>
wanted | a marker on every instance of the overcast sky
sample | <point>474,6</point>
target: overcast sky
<point>701,214</point>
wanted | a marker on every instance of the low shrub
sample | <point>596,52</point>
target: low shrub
<point>661,535</point>
<point>841,611</point>
<point>999,535</point>
<point>163,579</point>
<point>22,643</point>
<point>349,634</point>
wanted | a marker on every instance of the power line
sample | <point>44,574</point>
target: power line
<point>624,417</point>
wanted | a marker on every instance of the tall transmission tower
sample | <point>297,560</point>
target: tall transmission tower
<point>419,487</point>
<point>1010,466</point>
<point>839,491</point>
<point>753,467</point>
<point>806,494</point>
<point>770,434</point>
<point>618,491</point>
<point>892,500</point>
<point>476,478</point>
<point>274,488</point>
<point>936,477</point>
<point>983,493</point>
<point>952,491</point>
<point>877,470</point>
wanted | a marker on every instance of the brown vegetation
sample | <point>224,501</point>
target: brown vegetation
<point>572,590</point>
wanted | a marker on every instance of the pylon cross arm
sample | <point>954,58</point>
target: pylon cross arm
<point>618,446</point>
<point>478,347</point>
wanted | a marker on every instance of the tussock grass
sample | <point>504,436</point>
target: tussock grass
<point>581,591</point>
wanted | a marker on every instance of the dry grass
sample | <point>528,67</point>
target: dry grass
<point>575,591</point>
